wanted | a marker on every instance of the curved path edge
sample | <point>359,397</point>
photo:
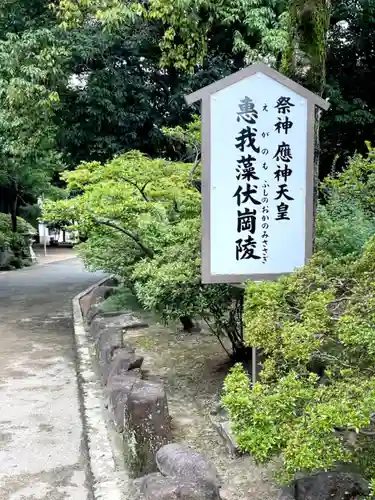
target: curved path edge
<point>106,484</point>
<point>37,265</point>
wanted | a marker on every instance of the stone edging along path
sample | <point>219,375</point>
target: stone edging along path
<point>110,377</point>
<point>154,468</point>
<point>106,484</point>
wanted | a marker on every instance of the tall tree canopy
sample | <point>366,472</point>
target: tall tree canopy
<point>191,29</point>
<point>110,82</point>
<point>122,97</point>
<point>350,81</point>
<point>290,34</point>
<point>32,59</point>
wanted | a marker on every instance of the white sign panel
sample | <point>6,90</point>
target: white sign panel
<point>257,176</point>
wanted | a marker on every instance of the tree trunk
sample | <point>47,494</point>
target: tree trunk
<point>187,323</point>
<point>316,169</point>
<point>241,354</point>
<point>14,212</point>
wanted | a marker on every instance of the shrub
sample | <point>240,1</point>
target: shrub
<point>314,402</point>
<point>15,243</point>
<point>346,214</point>
<point>343,225</point>
<point>142,222</point>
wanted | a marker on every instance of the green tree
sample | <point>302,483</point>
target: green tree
<point>350,83</point>
<point>121,99</point>
<point>30,73</point>
<point>233,33</point>
<point>306,54</point>
<point>191,29</point>
<point>141,217</point>
<point>313,405</point>
<point>17,16</point>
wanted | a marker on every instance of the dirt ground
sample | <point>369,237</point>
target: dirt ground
<point>193,367</point>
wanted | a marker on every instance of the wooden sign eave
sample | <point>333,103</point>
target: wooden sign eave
<point>249,71</point>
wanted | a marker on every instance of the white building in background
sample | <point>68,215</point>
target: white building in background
<point>53,237</point>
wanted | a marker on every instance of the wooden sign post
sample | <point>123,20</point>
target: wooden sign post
<point>257,175</point>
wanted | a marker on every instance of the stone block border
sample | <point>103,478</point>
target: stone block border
<point>110,376</point>
<point>106,484</point>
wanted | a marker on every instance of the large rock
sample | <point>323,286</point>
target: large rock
<point>123,361</point>
<point>122,321</point>
<point>331,486</point>
<point>146,426</point>
<point>112,282</point>
<point>93,312</point>
<point>101,293</point>
<point>95,297</point>
<point>108,341</point>
<point>180,461</point>
<point>158,487</point>
<point>117,392</point>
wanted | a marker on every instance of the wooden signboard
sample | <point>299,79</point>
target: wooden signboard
<point>257,175</point>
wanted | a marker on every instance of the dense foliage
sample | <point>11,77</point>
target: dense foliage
<point>107,86</point>
<point>101,84</point>
<point>350,82</point>
<point>190,29</point>
<point>142,222</point>
<point>32,69</point>
<point>14,247</point>
<point>120,98</point>
<point>345,218</point>
<point>289,35</point>
<point>314,402</point>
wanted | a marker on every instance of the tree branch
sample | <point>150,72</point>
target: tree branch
<point>147,251</point>
<point>196,161</point>
<point>159,79</point>
<point>141,190</point>
<point>217,335</point>
<point>329,357</point>
<point>196,184</point>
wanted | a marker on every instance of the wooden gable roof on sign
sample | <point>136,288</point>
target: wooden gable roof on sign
<point>209,90</point>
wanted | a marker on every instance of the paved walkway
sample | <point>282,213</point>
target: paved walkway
<point>42,455</point>
<point>53,254</point>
